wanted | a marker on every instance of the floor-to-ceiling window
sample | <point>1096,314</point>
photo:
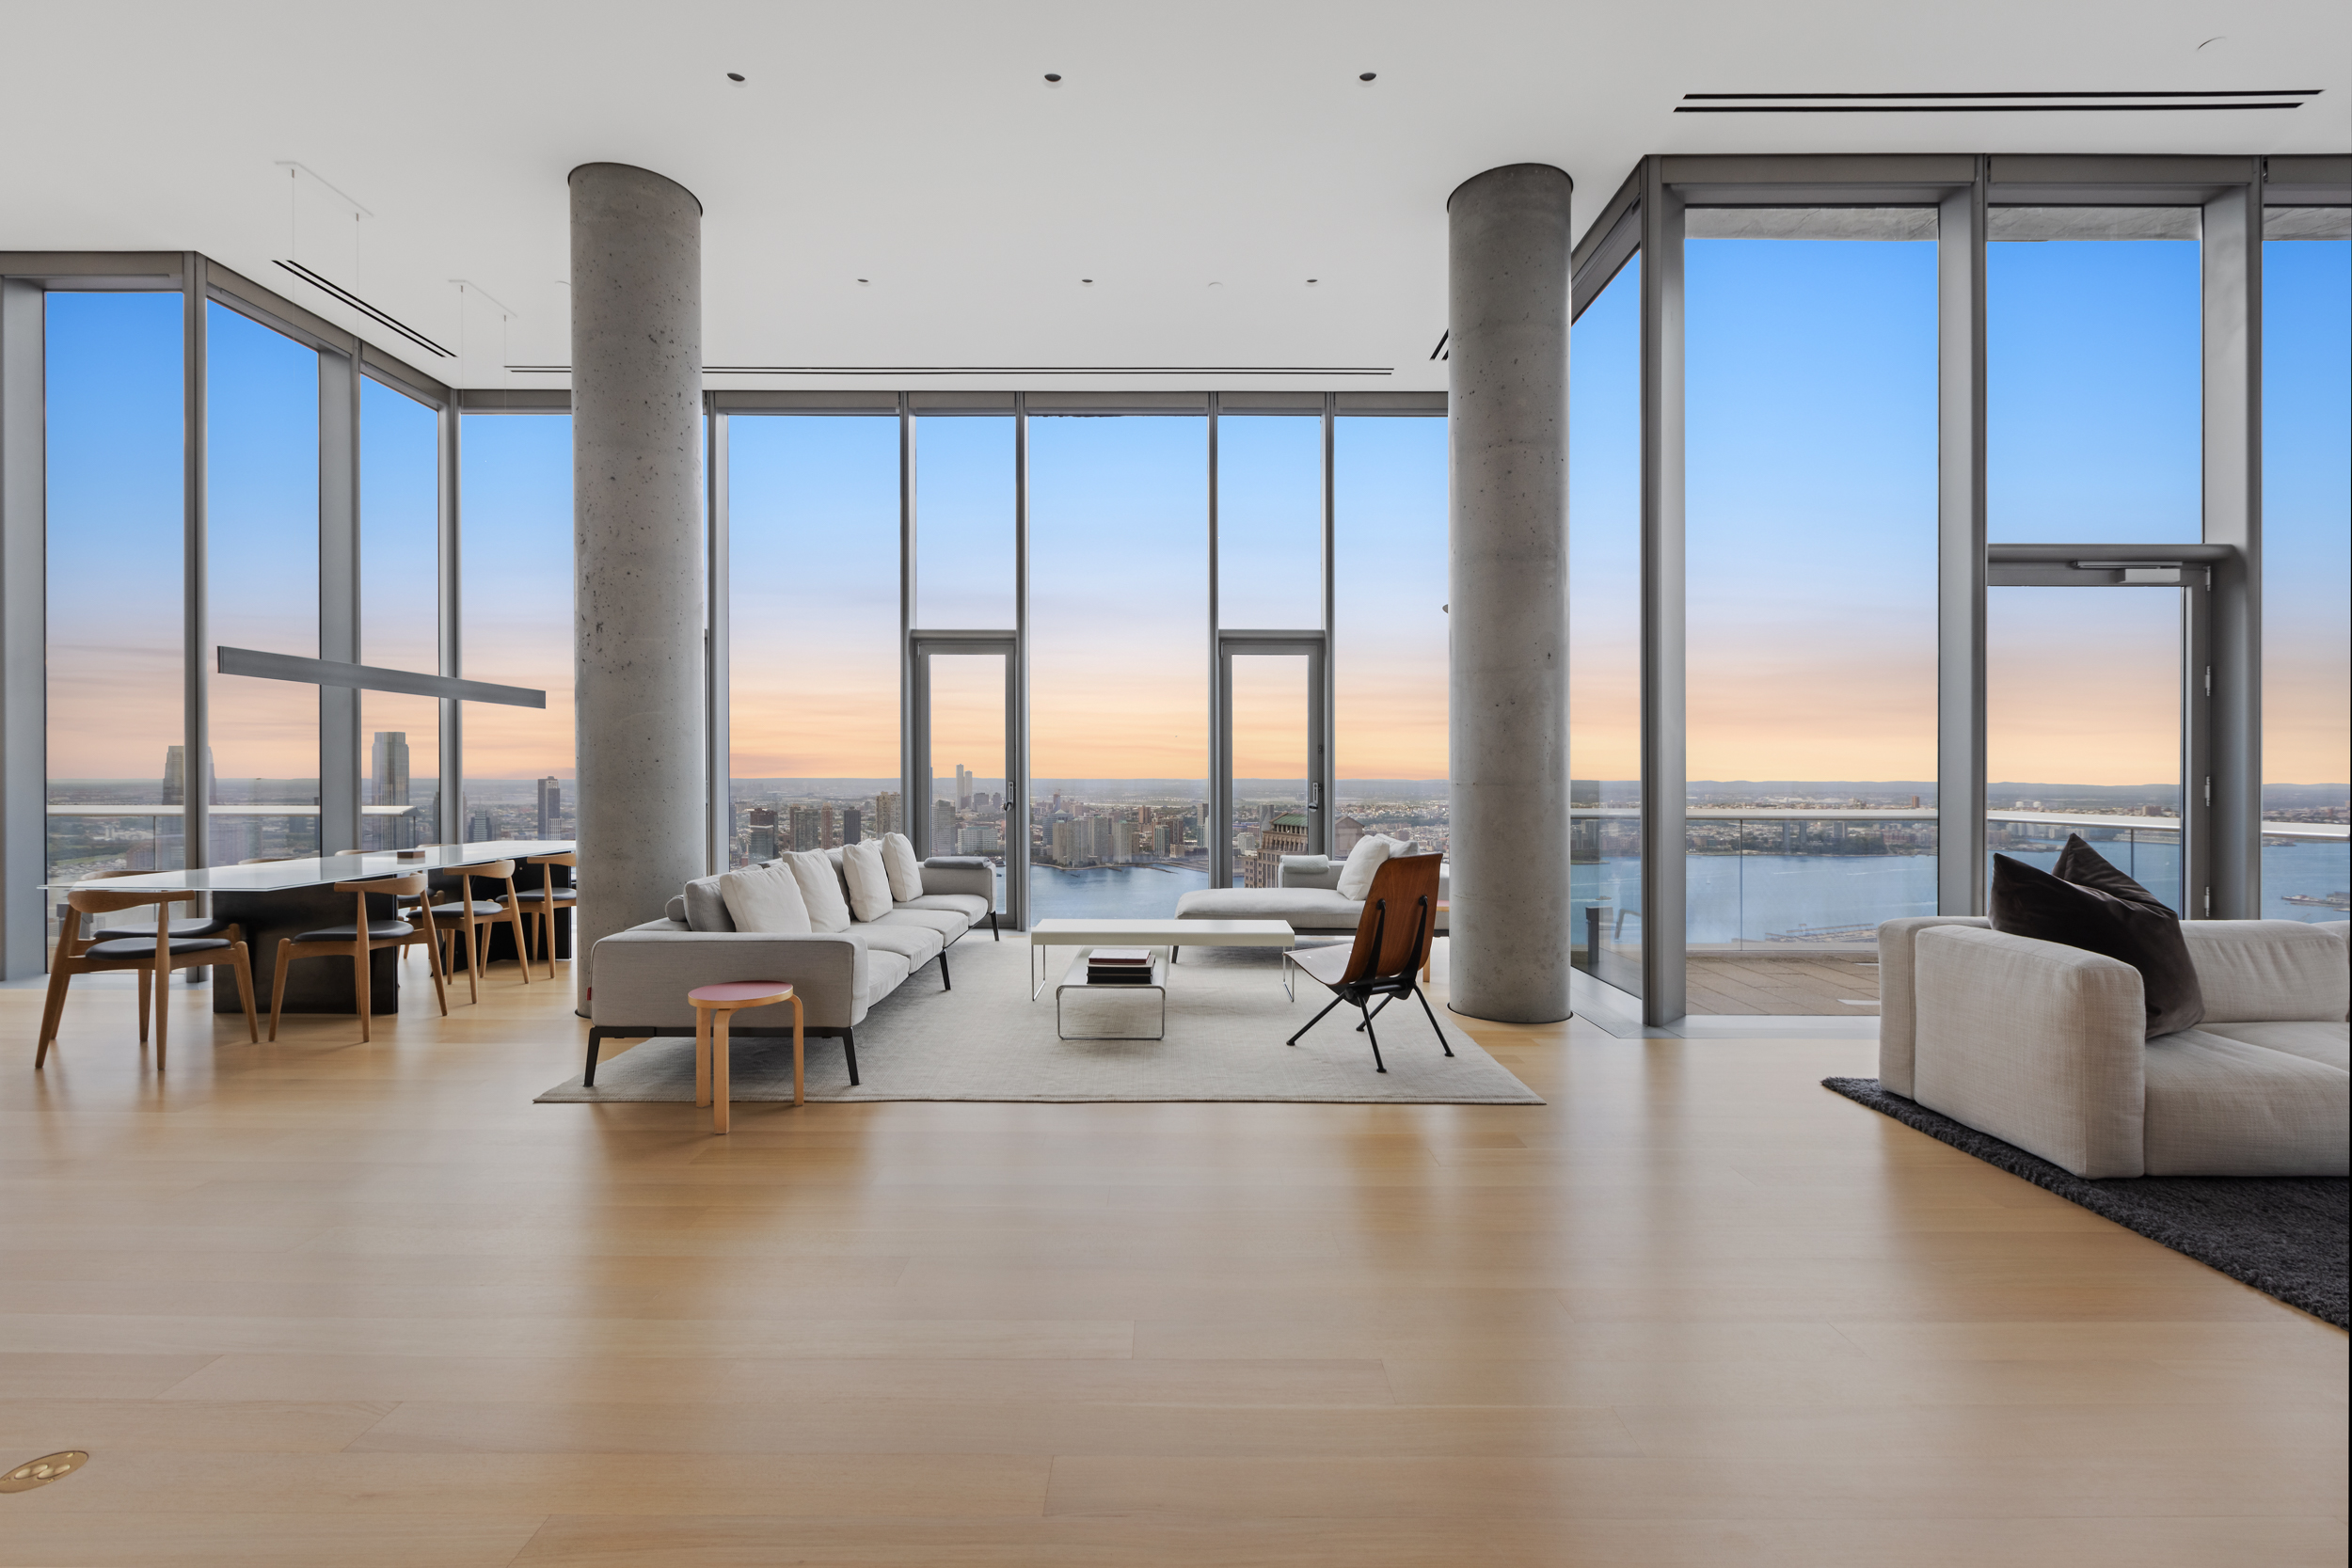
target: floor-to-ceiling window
<point>117,527</point>
<point>516,624</point>
<point>813,658</point>
<point>1119,619</point>
<point>1811,539</point>
<point>2094,415</point>
<point>2307,559</point>
<point>1605,634</point>
<point>400,604</point>
<point>1269,577</point>
<point>261,770</point>
<point>1388,647</point>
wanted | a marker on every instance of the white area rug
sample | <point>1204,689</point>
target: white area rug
<point>1227,1019</point>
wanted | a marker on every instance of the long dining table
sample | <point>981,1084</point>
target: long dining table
<point>275,901</point>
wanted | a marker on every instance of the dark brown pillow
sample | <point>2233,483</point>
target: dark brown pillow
<point>2090,905</point>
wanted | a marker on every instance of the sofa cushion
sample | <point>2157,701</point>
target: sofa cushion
<point>766,899</point>
<point>905,869</point>
<point>820,890</point>
<point>707,906</point>
<point>1362,861</point>
<point>917,945</point>
<point>2314,1041</point>
<point>2221,1107</point>
<point>1308,908</point>
<point>970,905</point>
<point>886,971</point>
<point>948,923</point>
<point>675,908</point>
<point>867,878</point>
<point>2090,905</point>
<point>2268,969</point>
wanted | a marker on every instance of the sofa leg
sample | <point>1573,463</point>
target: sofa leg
<point>993,934</point>
<point>947,981</point>
<point>588,1074</point>
<point>848,1050</point>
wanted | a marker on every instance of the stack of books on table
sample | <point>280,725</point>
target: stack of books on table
<point>1118,966</point>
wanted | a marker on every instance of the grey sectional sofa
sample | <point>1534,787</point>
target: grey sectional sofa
<point>2044,1047</point>
<point>1306,894</point>
<point>641,974</point>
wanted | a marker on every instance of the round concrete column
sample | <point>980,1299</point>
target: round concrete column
<point>1508,303</point>
<point>637,369</point>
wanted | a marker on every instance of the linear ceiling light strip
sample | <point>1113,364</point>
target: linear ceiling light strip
<point>365,308</point>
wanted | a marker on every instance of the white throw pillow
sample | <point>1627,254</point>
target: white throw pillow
<point>869,883</point>
<point>820,890</point>
<point>765,899</point>
<point>906,872</point>
<point>1362,860</point>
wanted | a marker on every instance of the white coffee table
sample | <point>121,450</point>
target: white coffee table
<point>1152,933</point>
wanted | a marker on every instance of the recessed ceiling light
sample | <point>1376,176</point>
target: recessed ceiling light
<point>1368,75</point>
<point>1215,285</point>
<point>735,76</point>
<point>1312,281</point>
<point>863,281</point>
<point>1086,280</point>
<point>1052,77</point>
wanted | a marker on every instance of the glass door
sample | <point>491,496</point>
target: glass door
<point>2094,717</point>
<point>965,799</point>
<point>1272,777</point>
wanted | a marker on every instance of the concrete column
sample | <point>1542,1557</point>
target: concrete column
<point>637,362</point>
<point>1508,303</point>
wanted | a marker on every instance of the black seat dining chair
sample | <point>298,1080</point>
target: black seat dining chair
<point>359,940</point>
<point>473,918</point>
<point>540,904</point>
<point>153,951</point>
<point>1385,961</point>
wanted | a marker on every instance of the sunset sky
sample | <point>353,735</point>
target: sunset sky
<point>1811,519</point>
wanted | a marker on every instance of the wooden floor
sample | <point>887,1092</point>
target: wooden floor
<point>320,1303</point>
<point>1762,982</point>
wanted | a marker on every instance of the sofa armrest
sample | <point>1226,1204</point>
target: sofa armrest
<point>1307,871</point>
<point>642,976</point>
<point>959,878</point>
<point>2041,1045</point>
<point>2254,971</point>
<point>1898,1012</point>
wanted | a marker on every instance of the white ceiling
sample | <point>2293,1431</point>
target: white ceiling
<point>916,145</point>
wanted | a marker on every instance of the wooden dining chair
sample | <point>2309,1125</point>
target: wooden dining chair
<point>154,954</point>
<point>476,916</point>
<point>1392,940</point>
<point>539,904</point>
<point>360,939</point>
<point>191,925</point>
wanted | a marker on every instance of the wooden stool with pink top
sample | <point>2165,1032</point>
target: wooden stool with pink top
<point>713,1006</point>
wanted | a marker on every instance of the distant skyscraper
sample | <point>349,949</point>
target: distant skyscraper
<point>805,826</point>
<point>943,827</point>
<point>550,808</point>
<point>1285,834</point>
<point>826,837</point>
<point>1346,832</point>
<point>479,828</point>
<point>760,837</point>
<point>175,777</point>
<point>964,788</point>
<point>387,769</point>
<point>852,826</point>
<point>886,817</point>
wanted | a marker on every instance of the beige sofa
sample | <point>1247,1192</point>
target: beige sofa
<point>1306,894</point>
<point>642,973</point>
<point>2044,1046</point>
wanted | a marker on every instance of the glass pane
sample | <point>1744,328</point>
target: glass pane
<point>1118,617</point>
<point>1605,634</point>
<point>1269,522</point>
<point>1389,674</point>
<point>400,550</point>
<point>2085,750</point>
<point>516,620</point>
<point>2093,351</point>
<point>262,429</point>
<point>963,522</point>
<point>1270,721</point>
<point>117,527</point>
<point>1812,615</point>
<point>967,735</point>
<point>813,677</point>
<point>2307,561</point>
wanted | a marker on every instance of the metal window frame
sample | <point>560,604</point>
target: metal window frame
<point>1315,647</point>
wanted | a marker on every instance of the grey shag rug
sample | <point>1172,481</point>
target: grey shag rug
<point>985,1041</point>
<point>2287,1237</point>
